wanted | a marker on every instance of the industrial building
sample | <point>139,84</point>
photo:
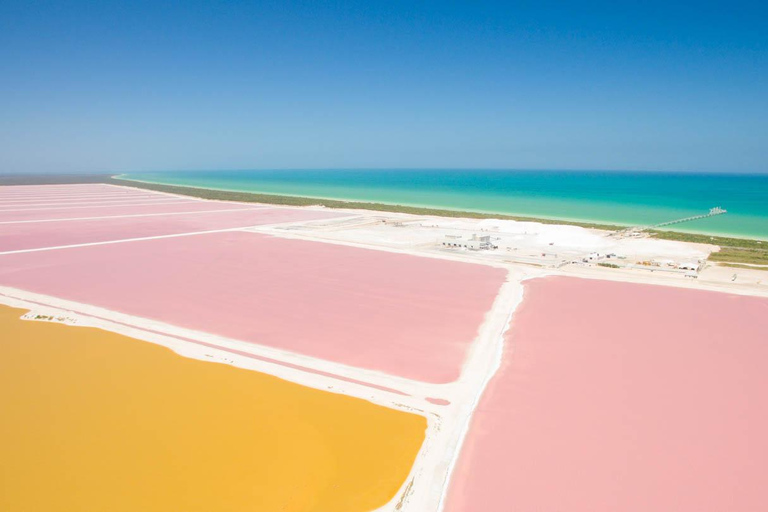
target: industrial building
<point>474,243</point>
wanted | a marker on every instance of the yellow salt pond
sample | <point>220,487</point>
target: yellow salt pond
<point>96,421</point>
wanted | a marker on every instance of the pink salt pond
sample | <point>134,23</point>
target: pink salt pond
<point>136,208</point>
<point>394,313</point>
<point>37,235</point>
<point>623,397</point>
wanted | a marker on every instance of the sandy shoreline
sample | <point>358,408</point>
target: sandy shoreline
<point>413,208</point>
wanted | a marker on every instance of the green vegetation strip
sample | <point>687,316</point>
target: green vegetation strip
<point>722,241</point>
<point>253,197</point>
<point>736,255</point>
<point>733,250</point>
<point>739,265</point>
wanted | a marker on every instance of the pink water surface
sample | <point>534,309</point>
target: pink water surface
<point>83,188</point>
<point>14,237</point>
<point>623,397</point>
<point>7,194</point>
<point>132,208</point>
<point>405,315</point>
<point>81,194</point>
<point>7,205</point>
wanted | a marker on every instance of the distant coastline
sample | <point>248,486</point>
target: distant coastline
<point>734,251</point>
<point>418,209</point>
<point>605,200</point>
<point>334,202</point>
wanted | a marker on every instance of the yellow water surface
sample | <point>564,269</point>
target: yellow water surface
<point>95,421</point>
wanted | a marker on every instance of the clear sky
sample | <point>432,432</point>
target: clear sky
<point>120,86</point>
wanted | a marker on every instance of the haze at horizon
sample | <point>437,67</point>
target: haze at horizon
<point>112,87</point>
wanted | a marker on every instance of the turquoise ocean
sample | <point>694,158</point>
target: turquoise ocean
<point>613,197</point>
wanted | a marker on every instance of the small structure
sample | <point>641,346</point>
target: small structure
<point>479,242</point>
<point>453,241</point>
<point>689,265</point>
<point>475,243</point>
<point>594,256</point>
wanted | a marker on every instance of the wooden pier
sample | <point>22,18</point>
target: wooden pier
<point>636,230</point>
<point>712,212</point>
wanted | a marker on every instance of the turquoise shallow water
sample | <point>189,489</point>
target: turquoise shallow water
<point>630,198</point>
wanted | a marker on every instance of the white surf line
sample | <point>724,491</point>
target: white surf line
<point>105,217</point>
<point>59,208</point>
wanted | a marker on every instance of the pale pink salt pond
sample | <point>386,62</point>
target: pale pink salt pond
<point>16,237</point>
<point>623,397</point>
<point>133,208</point>
<point>73,189</point>
<point>74,197</point>
<point>404,315</point>
<point>18,200</point>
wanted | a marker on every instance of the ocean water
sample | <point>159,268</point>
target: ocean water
<point>626,198</point>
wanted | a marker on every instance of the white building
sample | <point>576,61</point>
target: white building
<point>475,243</point>
<point>689,265</point>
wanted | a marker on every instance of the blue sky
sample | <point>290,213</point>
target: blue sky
<point>113,86</point>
